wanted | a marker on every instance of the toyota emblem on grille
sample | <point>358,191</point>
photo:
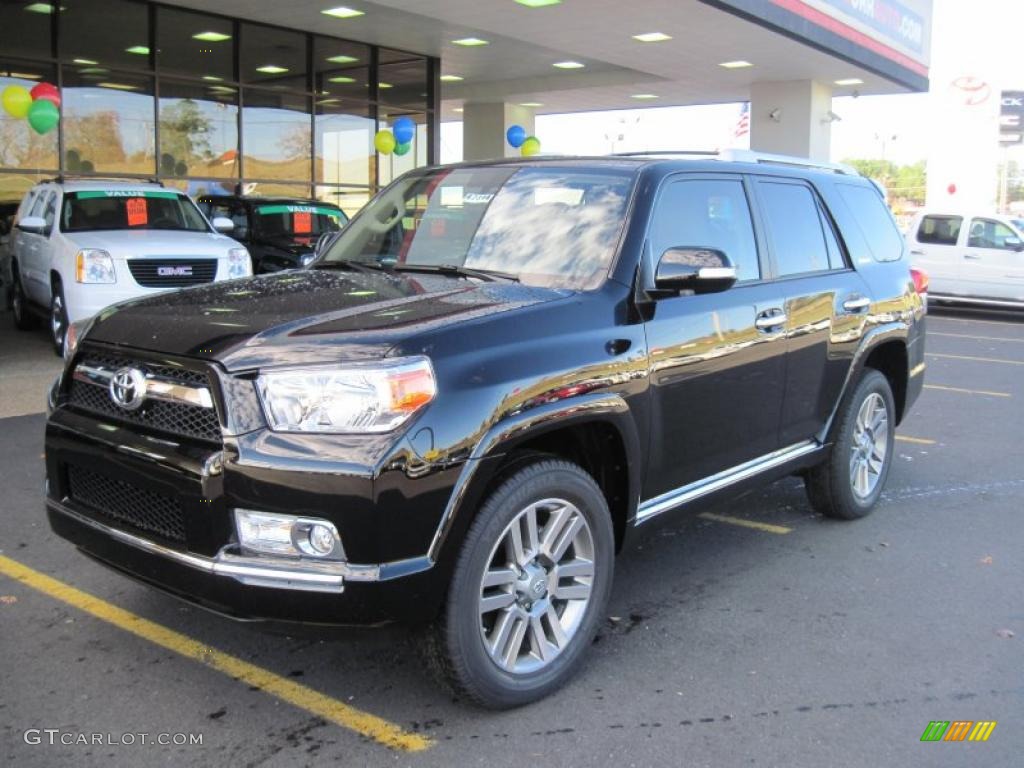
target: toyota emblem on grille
<point>128,388</point>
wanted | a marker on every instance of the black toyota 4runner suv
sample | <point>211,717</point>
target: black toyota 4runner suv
<point>463,408</point>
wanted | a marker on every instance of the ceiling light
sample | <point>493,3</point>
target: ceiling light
<point>93,70</point>
<point>341,79</point>
<point>211,37</point>
<point>850,81</point>
<point>458,109</point>
<point>271,69</point>
<point>385,85</point>
<point>139,50</point>
<point>119,86</point>
<point>644,96</point>
<point>212,79</point>
<point>342,59</point>
<point>568,65</point>
<point>451,79</point>
<point>40,8</point>
<point>342,12</point>
<point>652,37</point>
<point>738,64</point>
<point>24,76</point>
<point>470,42</point>
<point>531,104</point>
<point>538,3</point>
<point>85,62</point>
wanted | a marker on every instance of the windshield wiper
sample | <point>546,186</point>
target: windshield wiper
<point>490,275</point>
<point>355,266</point>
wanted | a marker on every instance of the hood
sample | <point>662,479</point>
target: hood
<point>158,243</point>
<point>304,317</point>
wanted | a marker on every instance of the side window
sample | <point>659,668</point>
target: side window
<point>50,211</point>
<point>26,205</point>
<point>707,213</point>
<point>939,230</point>
<point>39,205</point>
<point>795,225</point>
<point>874,219</point>
<point>986,233</point>
<point>835,251</point>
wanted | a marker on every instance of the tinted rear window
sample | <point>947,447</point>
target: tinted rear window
<point>939,230</point>
<point>874,220</point>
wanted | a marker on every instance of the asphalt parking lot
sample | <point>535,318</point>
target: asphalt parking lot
<point>758,634</point>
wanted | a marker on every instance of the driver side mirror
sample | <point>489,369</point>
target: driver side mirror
<point>34,224</point>
<point>1014,244</point>
<point>701,270</point>
<point>223,224</point>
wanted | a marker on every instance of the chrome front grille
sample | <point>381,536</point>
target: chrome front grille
<point>172,273</point>
<point>175,400</point>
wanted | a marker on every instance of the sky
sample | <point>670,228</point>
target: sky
<point>977,38</point>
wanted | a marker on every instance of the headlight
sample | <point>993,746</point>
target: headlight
<point>94,266</point>
<point>239,263</point>
<point>370,398</point>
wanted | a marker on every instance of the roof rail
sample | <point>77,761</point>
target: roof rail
<point>63,177</point>
<point>748,156</point>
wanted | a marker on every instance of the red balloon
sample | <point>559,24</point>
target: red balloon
<point>951,189</point>
<point>47,92</point>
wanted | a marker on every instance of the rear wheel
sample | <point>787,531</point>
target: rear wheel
<point>529,589</point>
<point>24,320</point>
<point>58,317</point>
<point>848,485</point>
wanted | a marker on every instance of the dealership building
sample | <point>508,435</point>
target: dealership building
<point>284,98</point>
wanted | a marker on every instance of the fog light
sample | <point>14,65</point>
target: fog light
<point>287,535</point>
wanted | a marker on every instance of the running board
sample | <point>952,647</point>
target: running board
<point>680,496</point>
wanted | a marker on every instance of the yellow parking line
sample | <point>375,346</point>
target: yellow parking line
<point>766,527</point>
<point>976,359</point>
<point>916,440</point>
<point>970,336</point>
<point>371,726</point>
<point>963,391</point>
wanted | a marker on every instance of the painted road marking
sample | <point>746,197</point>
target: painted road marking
<point>766,527</point>
<point>975,359</point>
<point>963,391</point>
<point>371,726</point>
<point>971,320</point>
<point>915,440</point>
<point>969,336</point>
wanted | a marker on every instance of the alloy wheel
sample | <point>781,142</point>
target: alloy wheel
<point>537,586</point>
<point>870,445</point>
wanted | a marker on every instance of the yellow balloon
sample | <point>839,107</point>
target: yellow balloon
<point>16,101</point>
<point>530,147</point>
<point>385,142</point>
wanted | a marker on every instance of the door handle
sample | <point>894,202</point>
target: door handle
<point>917,253</point>
<point>856,303</point>
<point>972,256</point>
<point>770,318</point>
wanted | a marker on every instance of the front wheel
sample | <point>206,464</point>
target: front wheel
<point>529,589</point>
<point>58,318</point>
<point>848,485</point>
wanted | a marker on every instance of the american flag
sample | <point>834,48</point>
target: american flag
<point>743,124</point>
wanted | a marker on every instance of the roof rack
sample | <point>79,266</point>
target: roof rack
<point>749,156</point>
<point>63,177</point>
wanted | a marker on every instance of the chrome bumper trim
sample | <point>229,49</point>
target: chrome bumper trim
<point>279,573</point>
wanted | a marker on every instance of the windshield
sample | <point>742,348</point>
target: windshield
<point>555,227</point>
<point>130,209</point>
<point>1019,224</point>
<point>293,221</point>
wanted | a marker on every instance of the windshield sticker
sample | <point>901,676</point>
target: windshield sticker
<point>138,215</point>
<point>306,209</point>
<point>302,222</point>
<point>477,198</point>
<point>130,193</point>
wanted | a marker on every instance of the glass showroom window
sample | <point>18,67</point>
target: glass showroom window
<point>196,45</point>
<point>20,146</point>
<point>394,165</point>
<point>25,29</point>
<point>198,130</point>
<point>108,122</point>
<point>344,142</point>
<point>273,58</point>
<point>276,133</point>
<point>349,199</point>
<point>89,38</point>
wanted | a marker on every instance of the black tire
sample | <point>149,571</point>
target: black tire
<point>24,320</point>
<point>831,485</point>
<point>58,317</point>
<point>455,646</point>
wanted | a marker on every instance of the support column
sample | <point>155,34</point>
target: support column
<point>791,118</point>
<point>484,126</point>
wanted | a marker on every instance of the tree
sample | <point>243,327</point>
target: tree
<point>906,184</point>
<point>184,136</point>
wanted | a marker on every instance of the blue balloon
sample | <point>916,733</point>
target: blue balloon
<point>404,129</point>
<point>516,135</point>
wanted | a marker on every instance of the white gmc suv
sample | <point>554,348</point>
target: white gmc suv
<point>80,246</point>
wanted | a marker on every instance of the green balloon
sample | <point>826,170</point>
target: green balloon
<point>403,149</point>
<point>43,116</point>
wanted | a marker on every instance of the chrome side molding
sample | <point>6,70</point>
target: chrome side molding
<point>156,387</point>
<point>679,496</point>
